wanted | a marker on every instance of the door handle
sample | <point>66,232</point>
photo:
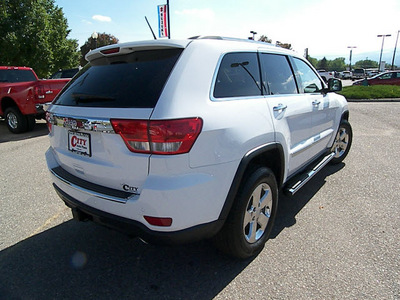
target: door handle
<point>279,107</point>
<point>316,102</point>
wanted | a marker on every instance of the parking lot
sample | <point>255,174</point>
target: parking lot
<point>338,238</point>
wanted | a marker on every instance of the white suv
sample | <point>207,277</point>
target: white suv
<point>176,141</point>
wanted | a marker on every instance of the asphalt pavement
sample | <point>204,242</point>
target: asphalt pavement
<point>337,238</point>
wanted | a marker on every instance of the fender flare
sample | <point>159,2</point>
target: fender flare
<point>251,158</point>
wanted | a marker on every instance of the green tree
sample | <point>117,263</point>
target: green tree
<point>103,39</point>
<point>338,64</point>
<point>389,67</point>
<point>313,61</point>
<point>34,33</point>
<point>323,64</point>
<point>366,64</point>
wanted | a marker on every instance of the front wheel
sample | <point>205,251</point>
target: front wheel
<point>342,144</point>
<point>252,216</point>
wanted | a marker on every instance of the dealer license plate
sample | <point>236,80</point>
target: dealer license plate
<point>79,142</point>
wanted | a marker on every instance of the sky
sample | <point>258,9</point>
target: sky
<point>327,28</point>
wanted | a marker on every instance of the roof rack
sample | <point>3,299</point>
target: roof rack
<point>214,37</point>
<point>206,37</point>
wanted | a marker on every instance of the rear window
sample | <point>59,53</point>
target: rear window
<point>13,76</point>
<point>134,80</point>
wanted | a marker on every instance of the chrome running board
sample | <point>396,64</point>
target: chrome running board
<point>305,177</point>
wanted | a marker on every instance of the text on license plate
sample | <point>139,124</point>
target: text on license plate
<point>79,142</point>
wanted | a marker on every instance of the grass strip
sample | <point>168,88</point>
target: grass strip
<point>371,92</point>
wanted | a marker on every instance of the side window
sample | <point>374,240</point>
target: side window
<point>308,80</point>
<point>277,75</point>
<point>386,76</point>
<point>56,75</point>
<point>238,76</point>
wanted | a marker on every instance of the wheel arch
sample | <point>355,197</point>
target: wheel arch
<point>345,115</point>
<point>270,155</point>
<point>7,102</point>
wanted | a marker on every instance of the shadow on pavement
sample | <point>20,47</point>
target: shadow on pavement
<point>289,207</point>
<point>78,260</point>
<point>6,136</point>
<point>85,261</point>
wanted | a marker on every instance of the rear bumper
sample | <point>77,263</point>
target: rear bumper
<point>190,199</point>
<point>193,201</point>
<point>83,212</point>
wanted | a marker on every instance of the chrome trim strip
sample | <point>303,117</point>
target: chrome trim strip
<point>96,125</point>
<point>89,192</point>
<point>302,146</point>
<point>298,185</point>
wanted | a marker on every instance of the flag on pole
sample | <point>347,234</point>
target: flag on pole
<point>162,21</point>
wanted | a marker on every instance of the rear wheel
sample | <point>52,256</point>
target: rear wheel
<point>342,144</point>
<point>15,120</point>
<point>252,216</point>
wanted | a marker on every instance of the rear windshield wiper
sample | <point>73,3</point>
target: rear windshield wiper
<point>81,97</point>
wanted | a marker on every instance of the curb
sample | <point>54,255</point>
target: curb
<point>375,100</point>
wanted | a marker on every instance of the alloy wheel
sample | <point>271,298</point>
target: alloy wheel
<point>258,213</point>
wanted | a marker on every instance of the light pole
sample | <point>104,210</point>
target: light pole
<point>395,46</point>
<point>95,35</point>
<point>383,40</point>
<point>351,52</point>
<point>169,26</point>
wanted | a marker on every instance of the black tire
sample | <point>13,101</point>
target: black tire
<point>15,120</point>
<point>255,207</point>
<point>342,143</point>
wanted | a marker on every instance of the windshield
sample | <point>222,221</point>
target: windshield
<point>133,80</point>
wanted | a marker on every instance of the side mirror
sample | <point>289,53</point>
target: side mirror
<point>334,85</point>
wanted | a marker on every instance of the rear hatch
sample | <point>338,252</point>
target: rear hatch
<point>120,86</point>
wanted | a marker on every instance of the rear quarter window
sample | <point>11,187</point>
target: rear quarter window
<point>134,80</point>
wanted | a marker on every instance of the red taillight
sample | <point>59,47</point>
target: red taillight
<point>110,51</point>
<point>134,133</point>
<point>160,136</point>
<point>49,120</point>
<point>155,221</point>
<point>39,92</point>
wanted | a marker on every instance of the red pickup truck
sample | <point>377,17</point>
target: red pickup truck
<point>22,95</point>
